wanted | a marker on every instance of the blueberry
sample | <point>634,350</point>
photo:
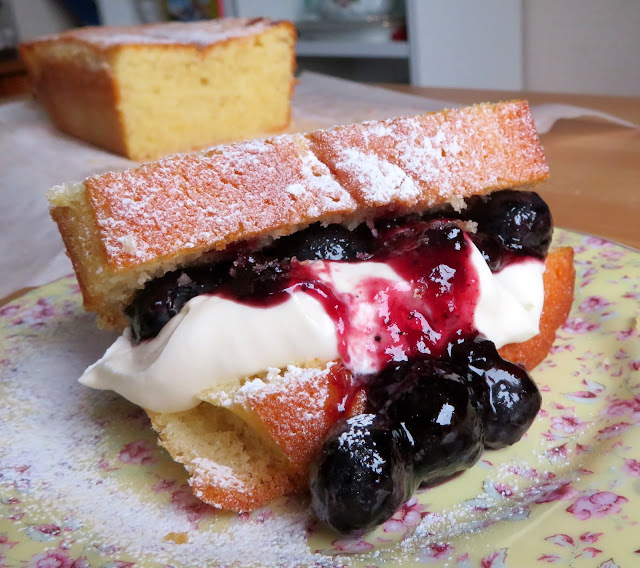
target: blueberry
<point>333,242</point>
<point>521,220</point>
<point>416,234</point>
<point>491,249</point>
<point>257,275</point>
<point>509,398</point>
<point>359,479</point>
<point>434,404</point>
<point>163,298</point>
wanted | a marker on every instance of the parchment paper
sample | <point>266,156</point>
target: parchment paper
<point>34,156</point>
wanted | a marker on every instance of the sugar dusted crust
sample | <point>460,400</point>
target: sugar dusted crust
<point>166,214</point>
<point>202,34</point>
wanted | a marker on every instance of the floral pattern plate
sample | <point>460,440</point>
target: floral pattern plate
<point>82,482</point>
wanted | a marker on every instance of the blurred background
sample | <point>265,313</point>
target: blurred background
<point>571,46</point>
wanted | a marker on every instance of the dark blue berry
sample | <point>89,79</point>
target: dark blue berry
<point>521,220</point>
<point>416,234</point>
<point>434,404</point>
<point>333,242</point>
<point>508,397</point>
<point>257,275</point>
<point>163,298</point>
<point>359,479</point>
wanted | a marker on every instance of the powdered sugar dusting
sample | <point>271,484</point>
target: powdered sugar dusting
<point>383,180</point>
<point>73,454</point>
<point>208,199</point>
<point>435,157</point>
<point>202,34</point>
<point>204,469</point>
<point>248,190</point>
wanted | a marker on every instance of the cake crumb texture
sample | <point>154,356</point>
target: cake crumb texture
<point>229,466</point>
<point>150,90</point>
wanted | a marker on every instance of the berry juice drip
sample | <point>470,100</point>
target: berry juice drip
<point>384,320</point>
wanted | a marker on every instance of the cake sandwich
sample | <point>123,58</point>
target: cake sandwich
<point>150,90</point>
<point>351,311</point>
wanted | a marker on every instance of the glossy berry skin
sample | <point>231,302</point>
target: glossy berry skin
<point>163,298</point>
<point>520,220</point>
<point>491,249</point>
<point>434,405</point>
<point>509,398</point>
<point>257,275</point>
<point>333,242</point>
<point>359,479</point>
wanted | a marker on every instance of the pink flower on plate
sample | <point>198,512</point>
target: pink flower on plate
<point>595,242</point>
<point>557,453</point>
<point>549,492</point>
<point>590,552</point>
<point>550,558</point>
<point>51,559</point>
<point>36,315</point>
<point>138,452</point>
<point>560,348</point>
<point>407,517</point>
<point>612,254</point>
<point>613,430</point>
<point>9,310</point>
<point>626,334</point>
<point>567,424</point>
<point>579,325</point>
<point>590,537</point>
<point>631,467</point>
<point>598,505</point>
<point>495,560</point>
<point>351,545</point>
<point>594,304</point>
<point>4,541</point>
<point>184,499</point>
<point>561,539</point>
<point>625,407</point>
<point>437,551</point>
<point>104,464</point>
<point>163,485</point>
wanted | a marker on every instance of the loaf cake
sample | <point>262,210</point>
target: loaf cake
<point>221,213</point>
<point>150,90</point>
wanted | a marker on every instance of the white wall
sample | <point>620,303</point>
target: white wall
<point>581,46</point>
<point>466,43</point>
<point>38,17</point>
<point>586,46</point>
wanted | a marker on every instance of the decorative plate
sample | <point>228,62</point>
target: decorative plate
<point>83,484</point>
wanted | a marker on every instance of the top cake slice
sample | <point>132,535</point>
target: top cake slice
<point>122,229</point>
<point>151,90</point>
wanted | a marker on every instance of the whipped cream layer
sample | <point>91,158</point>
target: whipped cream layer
<point>214,340</point>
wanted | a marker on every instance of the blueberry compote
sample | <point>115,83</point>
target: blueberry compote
<point>438,392</point>
<point>440,413</point>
